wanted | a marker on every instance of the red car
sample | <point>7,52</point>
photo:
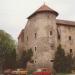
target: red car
<point>42,71</point>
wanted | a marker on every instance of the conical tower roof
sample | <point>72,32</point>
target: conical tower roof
<point>44,8</point>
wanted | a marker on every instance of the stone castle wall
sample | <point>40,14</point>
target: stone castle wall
<point>67,38</point>
<point>41,35</point>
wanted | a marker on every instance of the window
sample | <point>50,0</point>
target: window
<point>70,50</point>
<point>50,32</point>
<point>69,37</point>
<point>27,38</point>
<point>52,46</point>
<point>35,35</point>
<point>35,48</point>
<point>32,61</point>
<point>52,60</point>
<point>58,35</point>
<point>35,61</point>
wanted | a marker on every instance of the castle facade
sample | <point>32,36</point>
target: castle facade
<point>43,33</point>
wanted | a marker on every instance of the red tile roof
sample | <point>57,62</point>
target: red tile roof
<point>65,22</point>
<point>44,8</point>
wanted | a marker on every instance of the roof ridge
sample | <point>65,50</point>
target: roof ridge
<point>44,8</point>
<point>65,22</point>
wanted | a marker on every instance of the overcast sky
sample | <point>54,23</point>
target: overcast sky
<point>13,13</point>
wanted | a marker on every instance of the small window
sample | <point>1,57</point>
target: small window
<point>35,48</point>
<point>52,46</point>
<point>58,35</point>
<point>35,61</point>
<point>27,38</point>
<point>35,35</point>
<point>69,37</point>
<point>50,32</point>
<point>32,61</point>
<point>52,60</point>
<point>70,50</point>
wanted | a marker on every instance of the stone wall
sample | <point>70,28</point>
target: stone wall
<point>67,38</point>
<point>40,34</point>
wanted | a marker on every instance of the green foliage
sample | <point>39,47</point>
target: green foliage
<point>59,60</point>
<point>30,72</point>
<point>69,62</point>
<point>25,58</point>
<point>73,65</point>
<point>7,50</point>
<point>62,63</point>
<point>29,54</point>
<point>10,60</point>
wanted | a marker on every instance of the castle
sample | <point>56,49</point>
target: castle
<point>43,33</point>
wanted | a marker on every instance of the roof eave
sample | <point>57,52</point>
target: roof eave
<point>55,13</point>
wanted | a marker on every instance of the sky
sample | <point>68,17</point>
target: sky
<point>14,13</point>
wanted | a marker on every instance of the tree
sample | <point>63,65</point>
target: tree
<point>59,60</point>
<point>25,58</point>
<point>73,65</point>
<point>69,63</point>
<point>7,49</point>
<point>10,60</point>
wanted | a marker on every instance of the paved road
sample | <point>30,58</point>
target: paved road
<point>56,74</point>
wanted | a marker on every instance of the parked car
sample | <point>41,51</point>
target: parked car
<point>15,72</point>
<point>19,72</point>
<point>42,71</point>
<point>7,72</point>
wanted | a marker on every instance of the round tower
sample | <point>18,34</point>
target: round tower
<point>41,36</point>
